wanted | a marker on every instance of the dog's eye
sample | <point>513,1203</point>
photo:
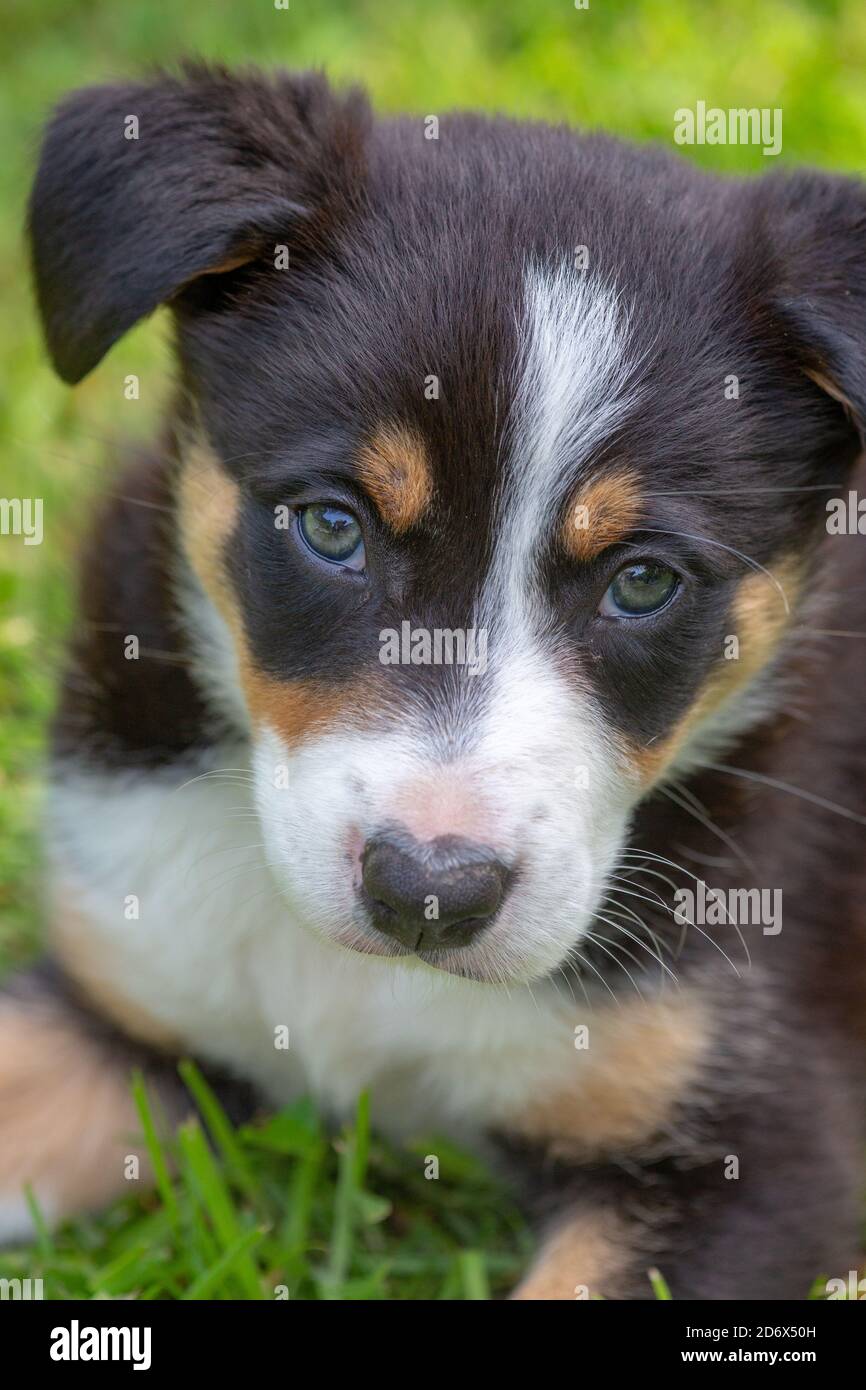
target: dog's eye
<point>638,590</point>
<point>332,533</point>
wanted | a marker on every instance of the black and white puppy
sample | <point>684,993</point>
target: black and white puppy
<point>463,685</point>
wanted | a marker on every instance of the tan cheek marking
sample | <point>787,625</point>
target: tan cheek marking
<point>68,1114</point>
<point>759,621</point>
<point>585,1258</point>
<point>600,514</point>
<point>208,505</point>
<point>394,468</point>
<point>295,709</point>
<point>641,1061</point>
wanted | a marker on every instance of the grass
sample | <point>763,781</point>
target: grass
<point>314,1211</point>
<point>281,1209</point>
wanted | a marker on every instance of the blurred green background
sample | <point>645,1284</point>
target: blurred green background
<point>622,66</point>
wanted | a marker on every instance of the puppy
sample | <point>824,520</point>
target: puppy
<point>465,701</point>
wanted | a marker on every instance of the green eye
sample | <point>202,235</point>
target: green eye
<point>333,534</point>
<point>639,590</point>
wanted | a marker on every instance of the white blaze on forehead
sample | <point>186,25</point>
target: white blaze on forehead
<point>574,386</point>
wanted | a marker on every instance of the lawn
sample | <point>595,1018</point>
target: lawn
<point>283,1205</point>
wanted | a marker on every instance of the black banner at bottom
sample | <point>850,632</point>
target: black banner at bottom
<point>145,1338</point>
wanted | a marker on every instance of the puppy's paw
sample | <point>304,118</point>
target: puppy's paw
<point>584,1258</point>
<point>68,1124</point>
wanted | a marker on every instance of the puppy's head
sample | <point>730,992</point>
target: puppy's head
<point>503,453</point>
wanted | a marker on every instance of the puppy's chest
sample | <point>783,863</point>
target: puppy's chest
<point>462,1060</point>
<point>433,1054</point>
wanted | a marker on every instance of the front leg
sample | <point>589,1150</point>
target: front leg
<point>68,1123</point>
<point>763,1199</point>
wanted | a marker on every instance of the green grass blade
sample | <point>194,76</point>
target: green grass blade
<point>473,1275</point>
<point>216,1198</point>
<point>297,1224</point>
<point>362,1140</point>
<point>199,1244</point>
<point>155,1149</point>
<point>44,1243</point>
<point>218,1125</point>
<point>229,1262</point>
<point>353,1156</point>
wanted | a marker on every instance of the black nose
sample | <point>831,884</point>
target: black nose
<point>431,895</point>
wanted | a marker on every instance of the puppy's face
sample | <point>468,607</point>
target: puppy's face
<point>496,490</point>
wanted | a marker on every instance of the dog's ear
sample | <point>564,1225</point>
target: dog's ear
<point>814,228</point>
<point>143,188</point>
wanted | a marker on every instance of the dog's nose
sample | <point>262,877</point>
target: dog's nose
<point>434,894</point>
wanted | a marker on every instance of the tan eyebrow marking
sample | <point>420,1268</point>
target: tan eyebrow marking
<point>298,709</point>
<point>601,513</point>
<point>394,468</point>
<point>208,506</point>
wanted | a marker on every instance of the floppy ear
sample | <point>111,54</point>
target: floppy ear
<point>142,188</point>
<point>816,227</point>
